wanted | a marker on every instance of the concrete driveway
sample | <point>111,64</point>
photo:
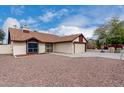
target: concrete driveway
<point>95,54</point>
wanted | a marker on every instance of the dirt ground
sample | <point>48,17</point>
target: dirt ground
<point>58,71</point>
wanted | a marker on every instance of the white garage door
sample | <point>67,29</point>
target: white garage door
<point>79,48</point>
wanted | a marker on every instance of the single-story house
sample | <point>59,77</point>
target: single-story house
<point>28,42</point>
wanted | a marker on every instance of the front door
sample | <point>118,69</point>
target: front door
<point>49,47</point>
<point>32,47</point>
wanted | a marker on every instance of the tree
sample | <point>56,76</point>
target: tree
<point>91,44</point>
<point>116,35</point>
<point>111,32</point>
<point>98,44</point>
<point>2,35</point>
<point>102,35</point>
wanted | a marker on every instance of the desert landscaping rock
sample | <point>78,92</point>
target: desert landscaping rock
<point>58,71</point>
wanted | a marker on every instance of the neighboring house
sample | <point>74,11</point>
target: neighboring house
<point>27,42</point>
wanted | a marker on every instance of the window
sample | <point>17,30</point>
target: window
<point>32,47</point>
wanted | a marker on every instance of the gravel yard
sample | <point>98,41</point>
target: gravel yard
<point>59,71</point>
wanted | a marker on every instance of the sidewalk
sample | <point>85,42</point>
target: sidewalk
<point>94,54</point>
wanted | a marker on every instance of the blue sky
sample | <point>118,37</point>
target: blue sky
<point>60,20</point>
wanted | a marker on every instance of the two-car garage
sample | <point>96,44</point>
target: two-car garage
<point>70,47</point>
<point>76,46</point>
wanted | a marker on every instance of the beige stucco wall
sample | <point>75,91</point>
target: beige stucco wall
<point>64,47</point>
<point>79,48</point>
<point>41,47</point>
<point>19,48</point>
<point>84,40</point>
<point>6,49</point>
<point>76,40</point>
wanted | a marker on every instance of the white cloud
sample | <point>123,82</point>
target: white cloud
<point>73,25</point>
<point>62,12</point>
<point>49,15</point>
<point>68,30</point>
<point>10,23</point>
<point>29,22</point>
<point>43,31</point>
<point>17,10</point>
<point>22,21</point>
<point>75,20</point>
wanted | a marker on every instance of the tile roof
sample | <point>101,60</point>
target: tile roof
<point>17,35</point>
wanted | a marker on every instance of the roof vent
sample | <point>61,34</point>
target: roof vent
<point>25,29</point>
